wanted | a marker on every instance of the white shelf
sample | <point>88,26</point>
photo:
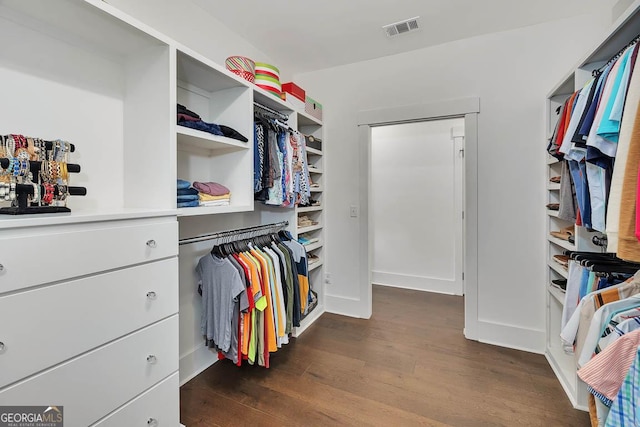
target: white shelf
<point>556,293</point>
<point>558,269</point>
<point>313,246</point>
<point>553,186</point>
<point>552,160</point>
<point>78,216</point>
<point>310,209</point>
<point>265,98</point>
<point>196,70</point>
<point>310,228</point>
<point>316,265</point>
<point>314,170</point>
<point>305,119</point>
<point>552,213</point>
<point>314,151</point>
<point>309,320</point>
<point>188,137</point>
<point>562,243</point>
<point>210,210</point>
<point>316,189</point>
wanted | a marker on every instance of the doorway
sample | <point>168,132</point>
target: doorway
<point>417,205</point>
<point>467,109</point>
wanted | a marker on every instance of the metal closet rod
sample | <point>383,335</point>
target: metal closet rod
<point>238,234</point>
<point>269,110</point>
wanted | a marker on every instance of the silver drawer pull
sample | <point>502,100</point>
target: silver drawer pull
<point>152,243</point>
<point>1,346</point>
<point>152,359</point>
<point>152,422</point>
<point>151,295</point>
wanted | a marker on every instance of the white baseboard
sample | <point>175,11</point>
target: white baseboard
<point>418,283</point>
<point>344,306</point>
<point>511,336</point>
<point>196,361</point>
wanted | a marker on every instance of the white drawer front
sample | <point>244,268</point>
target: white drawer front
<point>45,326</point>
<point>158,406</point>
<point>49,256</point>
<point>96,383</point>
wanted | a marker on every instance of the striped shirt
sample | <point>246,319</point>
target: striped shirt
<point>625,410</point>
<point>608,369</point>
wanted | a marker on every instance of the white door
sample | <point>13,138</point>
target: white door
<point>417,205</point>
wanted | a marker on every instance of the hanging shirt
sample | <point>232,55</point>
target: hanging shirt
<point>221,288</point>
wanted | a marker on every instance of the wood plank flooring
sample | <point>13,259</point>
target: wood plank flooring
<point>409,365</point>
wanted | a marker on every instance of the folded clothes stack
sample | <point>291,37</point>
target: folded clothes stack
<point>187,196</point>
<point>190,119</point>
<point>307,240</point>
<point>212,194</point>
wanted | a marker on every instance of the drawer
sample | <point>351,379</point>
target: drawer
<point>35,257</point>
<point>156,407</point>
<point>45,326</point>
<point>96,383</point>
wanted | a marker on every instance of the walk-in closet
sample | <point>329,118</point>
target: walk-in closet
<point>391,213</point>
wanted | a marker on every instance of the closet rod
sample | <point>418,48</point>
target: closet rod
<point>617,55</point>
<point>238,234</point>
<point>270,111</point>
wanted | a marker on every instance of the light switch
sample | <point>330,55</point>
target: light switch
<point>353,211</point>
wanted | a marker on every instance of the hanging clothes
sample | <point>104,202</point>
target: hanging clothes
<point>281,171</point>
<point>253,293</point>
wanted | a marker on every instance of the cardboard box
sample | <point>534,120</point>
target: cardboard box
<point>294,90</point>
<point>313,108</point>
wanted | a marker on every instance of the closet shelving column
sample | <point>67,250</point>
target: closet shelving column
<point>561,363</point>
<point>622,32</point>
<point>222,98</point>
<point>312,128</point>
<point>306,125</point>
<point>88,74</point>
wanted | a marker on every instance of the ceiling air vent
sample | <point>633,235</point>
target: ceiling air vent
<point>402,27</point>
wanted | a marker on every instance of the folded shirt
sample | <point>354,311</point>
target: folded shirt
<point>211,128</point>
<point>182,184</point>
<point>211,188</point>
<point>232,133</point>
<point>209,198</point>
<point>190,204</point>
<point>187,192</point>
<point>187,198</point>
<point>183,110</point>
<point>187,118</point>
<point>215,203</point>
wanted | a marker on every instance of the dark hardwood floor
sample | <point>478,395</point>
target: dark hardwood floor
<point>408,365</point>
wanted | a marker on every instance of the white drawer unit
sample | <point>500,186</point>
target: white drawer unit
<point>34,256</point>
<point>48,325</point>
<point>156,407</point>
<point>94,384</point>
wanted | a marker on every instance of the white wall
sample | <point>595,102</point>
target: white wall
<point>192,26</point>
<point>511,73</point>
<point>413,206</point>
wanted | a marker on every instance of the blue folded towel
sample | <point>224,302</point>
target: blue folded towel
<point>182,184</point>
<point>188,204</point>
<point>188,198</point>
<point>187,192</point>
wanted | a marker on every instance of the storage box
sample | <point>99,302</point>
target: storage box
<point>297,104</point>
<point>313,108</point>
<point>294,90</point>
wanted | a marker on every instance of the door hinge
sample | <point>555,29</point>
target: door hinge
<point>462,214</point>
<point>463,275</point>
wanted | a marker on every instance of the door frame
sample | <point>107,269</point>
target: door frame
<point>467,108</point>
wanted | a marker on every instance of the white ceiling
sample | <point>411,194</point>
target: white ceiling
<point>305,35</point>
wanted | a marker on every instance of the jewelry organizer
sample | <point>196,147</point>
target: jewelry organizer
<point>34,175</point>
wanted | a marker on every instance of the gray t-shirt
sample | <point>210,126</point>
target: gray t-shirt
<point>221,287</point>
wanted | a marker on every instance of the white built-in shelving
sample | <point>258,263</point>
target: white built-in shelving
<point>622,32</point>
